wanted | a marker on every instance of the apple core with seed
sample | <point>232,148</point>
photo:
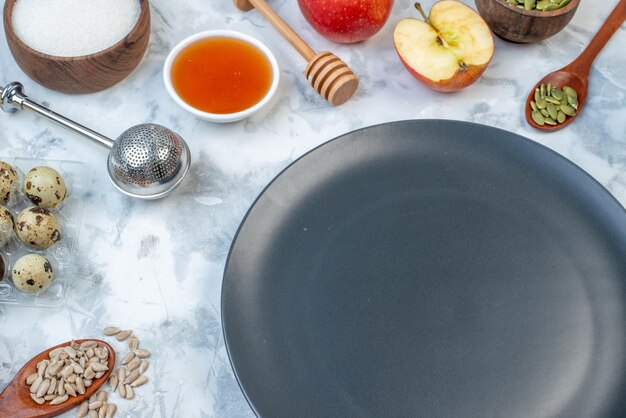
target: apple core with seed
<point>449,49</point>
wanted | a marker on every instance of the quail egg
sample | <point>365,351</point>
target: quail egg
<point>3,266</point>
<point>45,187</point>
<point>32,273</point>
<point>7,225</point>
<point>8,177</point>
<point>37,227</point>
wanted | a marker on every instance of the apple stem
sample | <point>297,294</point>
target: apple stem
<point>427,20</point>
<point>419,9</point>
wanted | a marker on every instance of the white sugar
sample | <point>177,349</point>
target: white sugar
<point>71,28</point>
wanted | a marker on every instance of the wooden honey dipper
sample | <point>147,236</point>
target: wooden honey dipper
<point>329,75</point>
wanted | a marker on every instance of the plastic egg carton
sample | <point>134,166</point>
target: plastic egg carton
<point>62,254</point>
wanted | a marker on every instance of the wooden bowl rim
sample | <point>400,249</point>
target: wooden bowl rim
<point>536,13</point>
<point>134,32</point>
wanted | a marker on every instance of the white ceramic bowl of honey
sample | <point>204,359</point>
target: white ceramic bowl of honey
<point>221,75</point>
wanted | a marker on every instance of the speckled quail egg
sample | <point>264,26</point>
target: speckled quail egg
<point>8,176</point>
<point>32,273</point>
<point>7,225</point>
<point>3,266</point>
<point>37,227</point>
<point>45,187</point>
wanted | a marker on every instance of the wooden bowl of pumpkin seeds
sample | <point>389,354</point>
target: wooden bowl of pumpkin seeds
<point>527,21</point>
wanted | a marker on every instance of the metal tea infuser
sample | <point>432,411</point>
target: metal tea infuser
<point>147,161</point>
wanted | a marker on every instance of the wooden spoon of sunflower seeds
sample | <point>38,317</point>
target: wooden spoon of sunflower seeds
<point>18,400</point>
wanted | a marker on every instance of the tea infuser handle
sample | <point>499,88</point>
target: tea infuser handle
<point>12,97</point>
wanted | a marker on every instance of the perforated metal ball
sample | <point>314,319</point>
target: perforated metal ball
<point>146,154</point>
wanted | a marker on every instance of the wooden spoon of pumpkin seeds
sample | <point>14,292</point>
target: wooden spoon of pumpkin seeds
<point>575,75</point>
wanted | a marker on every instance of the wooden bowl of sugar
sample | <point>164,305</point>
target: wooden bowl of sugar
<point>77,46</point>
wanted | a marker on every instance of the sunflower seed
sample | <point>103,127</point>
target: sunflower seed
<point>102,396</point>
<point>55,368</point>
<point>100,374</point>
<point>40,401</point>
<point>89,373</point>
<point>88,344</point>
<point>55,352</point>
<point>113,382</point>
<point>121,389</point>
<point>111,331</point>
<point>127,358</point>
<point>87,382</point>
<point>103,410</point>
<point>143,366</point>
<point>142,353</point>
<point>59,400</point>
<point>35,385</point>
<point>93,414</point>
<point>83,410</point>
<point>123,335</point>
<point>98,367</point>
<point>80,385</point>
<point>53,386</point>
<point>121,374</point>
<point>132,377</point>
<point>95,404</point>
<point>42,389</point>
<point>50,397</point>
<point>71,378</point>
<point>90,353</point>
<point>61,387</point>
<point>130,392</point>
<point>141,380</point>
<point>41,367</point>
<point>67,371</point>
<point>133,343</point>
<point>134,363</point>
<point>111,410</point>
<point>71,352</point>
<point>30,379</point>
<point>69,389</point>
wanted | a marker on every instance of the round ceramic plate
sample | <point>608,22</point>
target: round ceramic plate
<point>430,269</point>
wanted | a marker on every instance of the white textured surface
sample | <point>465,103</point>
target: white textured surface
<point>72,28</point>
<point>156,267</point>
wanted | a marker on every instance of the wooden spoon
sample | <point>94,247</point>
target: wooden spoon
<point>576,74</point>
<point>15,400</point>
<point>329,75</point>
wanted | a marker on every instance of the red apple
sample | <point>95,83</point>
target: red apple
<point>449,49</point>
<point>346,21</point>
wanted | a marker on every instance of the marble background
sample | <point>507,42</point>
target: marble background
<point>156,267</point>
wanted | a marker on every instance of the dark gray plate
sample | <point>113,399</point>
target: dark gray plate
<point>430,269</point>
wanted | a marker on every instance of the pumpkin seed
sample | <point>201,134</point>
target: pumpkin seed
<point>557,93</point>
<point>542,5</point>
<point>553,104</point>
<point>538,118</point>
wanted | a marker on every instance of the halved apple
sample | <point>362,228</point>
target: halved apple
<point>449,49</point>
